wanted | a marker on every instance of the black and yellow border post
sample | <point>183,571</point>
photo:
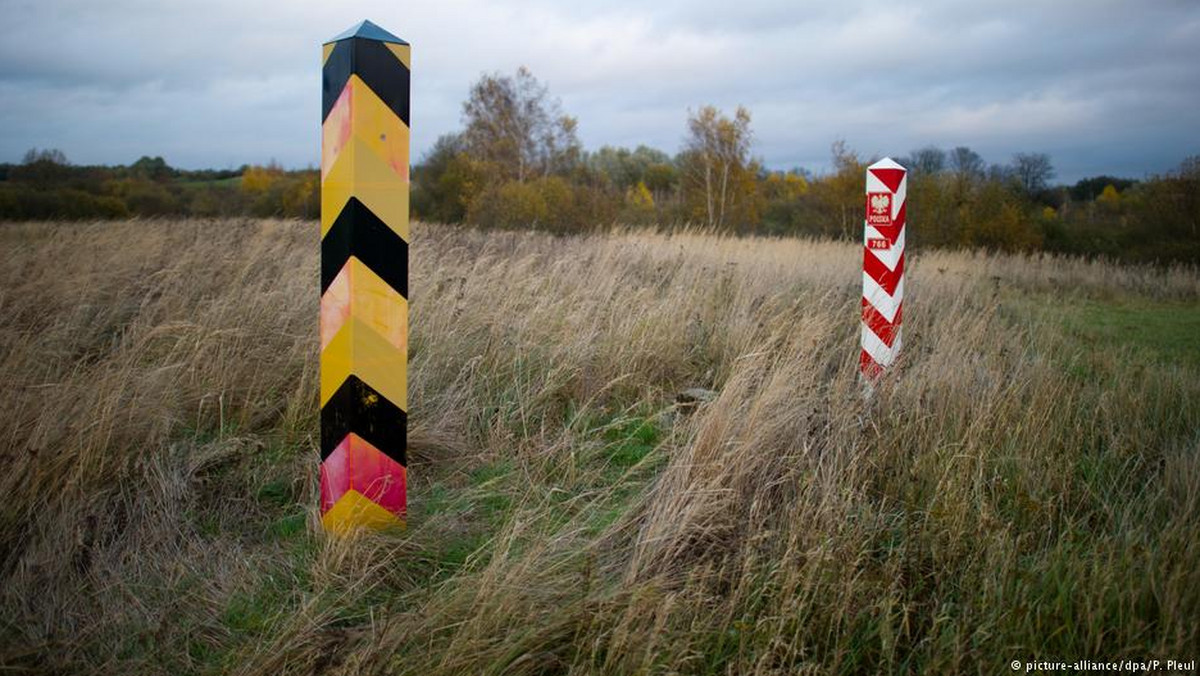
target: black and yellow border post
<point>364,278</point>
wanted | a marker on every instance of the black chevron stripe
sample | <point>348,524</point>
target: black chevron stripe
<point>358,408</point>
<point>358,232</point>
<point>378,67</point>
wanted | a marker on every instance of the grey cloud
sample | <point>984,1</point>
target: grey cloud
<point>1105,86</point>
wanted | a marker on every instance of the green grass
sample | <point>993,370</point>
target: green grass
<point>1167,333</point>
<point>630,440</point>
<point>251,612</point>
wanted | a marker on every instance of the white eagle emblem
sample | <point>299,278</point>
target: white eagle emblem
<point>881,203</point>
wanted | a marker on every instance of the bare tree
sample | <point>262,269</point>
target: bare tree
<point>928,160</point>
<point>966,163</point>
<point>1033,171</point>
<point>46,155</point>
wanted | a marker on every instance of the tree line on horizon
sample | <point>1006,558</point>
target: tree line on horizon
<point>517,162</point>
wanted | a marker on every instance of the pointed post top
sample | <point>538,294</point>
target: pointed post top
<point>367,30</point>
<point>886,163</point>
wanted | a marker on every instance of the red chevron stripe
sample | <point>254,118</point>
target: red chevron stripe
<point>357,464</point>
<point>868,366</point>
<point>879,324</point>
<point>888,279</point>
<point>890,177</point>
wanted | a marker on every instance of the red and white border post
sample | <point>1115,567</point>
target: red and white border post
<point>883,266</point>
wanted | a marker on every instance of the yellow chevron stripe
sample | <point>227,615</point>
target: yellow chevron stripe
<point>326,50</point>
<point>355,510</point>
<point>360,293</point>
<point>361,112</point>
<point>379,128</point>
<point>359,172</point>
<point>402,52</point>
<point>357,349</point>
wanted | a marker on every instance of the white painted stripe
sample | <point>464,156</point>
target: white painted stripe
<point>874,184</point>
<point>885,307</point>
<point>900,196</point>
<point>880,300</point>
<point>879,351</point>
<point>890,257</point>
<point>870,232</point>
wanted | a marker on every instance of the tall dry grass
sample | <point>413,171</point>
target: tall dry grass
<point>1006,493</point>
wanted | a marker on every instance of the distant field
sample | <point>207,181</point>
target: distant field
<point>1024,486</point>
<point>231,182</point>
<point>1168,332</point>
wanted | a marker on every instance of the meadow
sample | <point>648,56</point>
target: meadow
<point>1024,485</point>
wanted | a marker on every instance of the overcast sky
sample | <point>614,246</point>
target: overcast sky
<point>1102,86</point>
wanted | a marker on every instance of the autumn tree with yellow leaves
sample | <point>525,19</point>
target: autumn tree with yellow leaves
<point>720,178</point>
